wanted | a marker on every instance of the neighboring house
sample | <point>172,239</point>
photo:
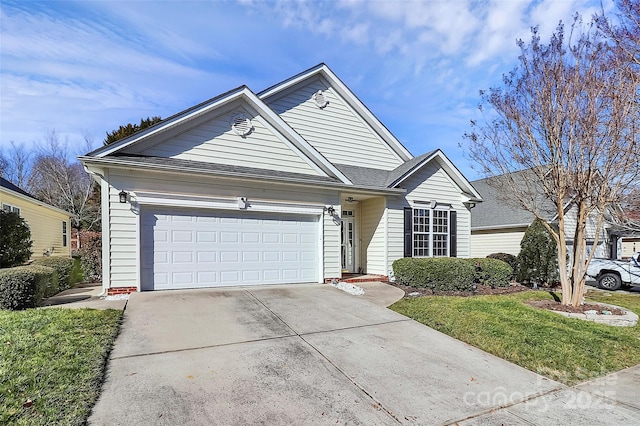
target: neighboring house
<point>298,183</point>
<point>498,227</point>
<point>50,226</point>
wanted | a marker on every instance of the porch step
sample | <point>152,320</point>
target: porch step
<point>369,278</point>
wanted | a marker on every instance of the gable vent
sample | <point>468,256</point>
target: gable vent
<point>241,124</point>
<point>320,99</point>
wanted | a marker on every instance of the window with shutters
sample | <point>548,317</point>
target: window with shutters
<point>430,232</point>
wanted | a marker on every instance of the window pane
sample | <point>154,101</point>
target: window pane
<point>440,232</point>
<point>420,232</point>
<point>6,208</point>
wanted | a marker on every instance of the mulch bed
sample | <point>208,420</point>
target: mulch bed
<point>480,290</point>
<point>512,288</point>
<point>557,306</point>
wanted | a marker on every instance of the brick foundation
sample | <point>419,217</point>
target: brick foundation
<point>121,290</point>
<point>367,278</point>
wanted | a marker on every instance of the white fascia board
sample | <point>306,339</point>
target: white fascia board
<point>34,201</point>
<point>395,145</point>
<point>500,227</point>
<point>223,203</point>
<point>170,122</point>
<point>308,152</point>
<point>451,169</point>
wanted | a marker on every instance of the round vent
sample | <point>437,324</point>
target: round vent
<point>320,99</point>
<point>241,124</point>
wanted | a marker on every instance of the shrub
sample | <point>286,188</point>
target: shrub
<point>437,274</point>
<point>506,257</point>
<point>493,272</point>
<point>450,273</point>
<point>24,287</point>
<point>538,258</point>
<point>15,240</point>
<point>90,253</point>
<point>64,266</point>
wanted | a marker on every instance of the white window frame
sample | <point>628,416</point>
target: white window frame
<point>10,208</point>
<point>432,208</point>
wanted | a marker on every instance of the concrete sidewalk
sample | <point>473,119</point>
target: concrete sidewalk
<point>311,354</point>
<point>83,296</point>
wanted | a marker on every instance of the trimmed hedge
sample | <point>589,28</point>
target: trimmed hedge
<point>24,287</point>
<point>451,273</point>
<point>67,276</point>
<point>437,274</point>
<point>493,272</point>
<point>506,257</point>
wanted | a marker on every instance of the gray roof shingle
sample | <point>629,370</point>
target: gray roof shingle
<point>224,169</point>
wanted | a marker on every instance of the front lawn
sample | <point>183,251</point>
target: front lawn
<point>52,363</point>
<point>563,349</point>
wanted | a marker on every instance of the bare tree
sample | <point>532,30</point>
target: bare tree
<point>626,32</point>
<point>567,114</point>
<point>15,165</point>
<point>65,184</point>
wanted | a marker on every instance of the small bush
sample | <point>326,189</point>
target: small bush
<point>538,258</point>
<point>506,257</point>
<point>15,240</point>
<point>493,272</point>
<point>64,266</point>
<point>24,287</point>
<point>437,274</point>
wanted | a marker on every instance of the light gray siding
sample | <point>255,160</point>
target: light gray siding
<point>484,243</point>
<point>124,237</point>
<point>215,142</point>
<point>336,130</point>
<point>427,184</point>
<point>372,235</point>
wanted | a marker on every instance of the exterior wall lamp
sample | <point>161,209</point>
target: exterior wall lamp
<point>331,210</point>
<point>123,196</point>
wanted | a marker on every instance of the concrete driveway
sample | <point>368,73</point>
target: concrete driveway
<point>309,355</point>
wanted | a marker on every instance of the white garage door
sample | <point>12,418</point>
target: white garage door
<point>200,248</point>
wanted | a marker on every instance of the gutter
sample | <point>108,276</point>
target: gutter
<point>123,164</point>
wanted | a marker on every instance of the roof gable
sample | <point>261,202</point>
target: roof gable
<point>408,169</point>
<point>344,127</point>
<point>170,137</point>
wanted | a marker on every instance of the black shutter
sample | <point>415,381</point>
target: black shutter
<point>408,234</point>
<point>453,233</point>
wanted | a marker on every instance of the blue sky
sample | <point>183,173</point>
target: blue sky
<point>82,68</point>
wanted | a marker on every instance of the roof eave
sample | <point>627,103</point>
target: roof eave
<point>35,201</point>
<point>115,162</point>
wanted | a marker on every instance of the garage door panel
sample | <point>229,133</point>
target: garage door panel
<point>198,248</point>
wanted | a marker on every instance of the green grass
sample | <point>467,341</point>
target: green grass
<point>563,349</point>
<point>56,358</point>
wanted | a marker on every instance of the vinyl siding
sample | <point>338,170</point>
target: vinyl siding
<point>331,247</point>
<point>336,131</point>
<point>486,242</point>
<point>45,225</point>
<point>123,217</point>
<point>215,142</point>
<point>372,232</point>
<point>629,247</point>
<point>592,222</point>
<point>427,184</point>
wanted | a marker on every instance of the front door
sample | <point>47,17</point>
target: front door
<point>348,242</point>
